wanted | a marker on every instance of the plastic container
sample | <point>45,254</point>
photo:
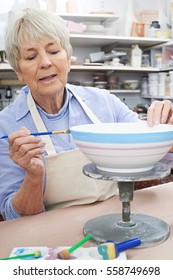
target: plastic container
<point>145,60</point>
<point>154,26</point>
<point>158,60</point>
<point>153,77</point>
<point>171,89</point>
<point>161,89</point>
<point>162,76</point>
<point>144,86</point>
<point>159,33</point>
<point>136,56</point>
<point>153,89</point>
<point>167,85</point>
<point>171,76</point>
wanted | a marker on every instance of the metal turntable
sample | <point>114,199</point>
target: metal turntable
<point>124,226</point>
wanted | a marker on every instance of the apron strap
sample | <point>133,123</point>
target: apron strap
<point>40,124</point>
<point>87,110</point>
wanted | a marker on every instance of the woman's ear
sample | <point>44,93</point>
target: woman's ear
<point>69,64</point>
<point>20,77</point>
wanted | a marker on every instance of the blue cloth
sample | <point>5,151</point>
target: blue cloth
<point>107,107</point>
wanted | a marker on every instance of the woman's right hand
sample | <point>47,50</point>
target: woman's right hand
<point>160,112</point>
<point>26,151</point>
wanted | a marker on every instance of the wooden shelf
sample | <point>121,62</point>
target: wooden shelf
<point>88,40</point>
<point>113,68</point>
<point>156,97</point>
<point>124,91</point>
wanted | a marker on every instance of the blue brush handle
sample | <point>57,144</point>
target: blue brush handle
<point>122,246</point>
<point>42,133</point>
<point>34,134</point>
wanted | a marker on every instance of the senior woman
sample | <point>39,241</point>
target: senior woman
<point>40,173</point>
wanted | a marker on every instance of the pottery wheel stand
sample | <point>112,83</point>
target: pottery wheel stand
<point>124,226</point>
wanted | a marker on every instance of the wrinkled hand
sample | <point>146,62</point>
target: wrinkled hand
<point>160,112</point>
<point>26,151</point>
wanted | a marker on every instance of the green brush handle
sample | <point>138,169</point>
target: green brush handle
<point>81,242</point>
<point>36,254</point>
<point>18,257</point>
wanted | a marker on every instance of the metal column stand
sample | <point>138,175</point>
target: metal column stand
<point>124,226</point>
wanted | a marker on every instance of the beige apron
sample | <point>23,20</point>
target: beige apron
<point>66,184</point>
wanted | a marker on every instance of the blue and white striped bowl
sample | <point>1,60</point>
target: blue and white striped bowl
<point>123,147</point>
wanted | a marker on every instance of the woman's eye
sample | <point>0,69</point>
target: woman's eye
<point>54,52</point>
<point>31,57</point>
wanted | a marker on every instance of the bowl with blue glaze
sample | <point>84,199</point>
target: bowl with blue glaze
<point>123,147</point>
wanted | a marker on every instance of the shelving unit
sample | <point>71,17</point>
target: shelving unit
<point>87,42</point>
<point>103,42</point>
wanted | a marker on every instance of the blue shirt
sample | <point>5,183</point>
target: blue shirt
<point>107,107</point>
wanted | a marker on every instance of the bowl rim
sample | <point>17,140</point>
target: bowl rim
<point>136,137</point>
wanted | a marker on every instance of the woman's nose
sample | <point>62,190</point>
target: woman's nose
<point>45,61</point>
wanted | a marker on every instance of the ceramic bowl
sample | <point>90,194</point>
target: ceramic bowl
<point>131,84</point>
<point>123,147</point>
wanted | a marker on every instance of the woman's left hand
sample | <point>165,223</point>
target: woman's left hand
<point>160,112</point>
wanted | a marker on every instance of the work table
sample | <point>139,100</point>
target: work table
<point>64,226</point>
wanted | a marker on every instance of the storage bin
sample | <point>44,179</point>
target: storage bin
<point>159,33</point>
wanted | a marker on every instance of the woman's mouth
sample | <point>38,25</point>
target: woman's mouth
<point>48,78</point>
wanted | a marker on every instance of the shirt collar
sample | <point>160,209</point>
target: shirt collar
<point>21,105</point>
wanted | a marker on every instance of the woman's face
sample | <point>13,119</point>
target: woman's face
<point>44,67</point>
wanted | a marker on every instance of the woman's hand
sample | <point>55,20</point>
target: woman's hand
<point>160,112</point>
<point>26,151</point>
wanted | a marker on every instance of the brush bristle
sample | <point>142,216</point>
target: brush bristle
<point>107,251</point>
<point>37,254</point>
<point>63,255</point>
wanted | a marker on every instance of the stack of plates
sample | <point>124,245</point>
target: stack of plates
<point>95,29</point>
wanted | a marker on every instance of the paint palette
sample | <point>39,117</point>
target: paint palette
<point>51,253</point>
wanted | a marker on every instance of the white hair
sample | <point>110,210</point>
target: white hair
<point>33,24</point>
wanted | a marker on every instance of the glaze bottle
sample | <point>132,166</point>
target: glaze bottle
<point>8,94</point>
<point>136,56</point>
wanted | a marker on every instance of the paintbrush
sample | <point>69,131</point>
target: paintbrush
<point>44,133</point>
<point>35,254</point>
<point>65,254</point>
